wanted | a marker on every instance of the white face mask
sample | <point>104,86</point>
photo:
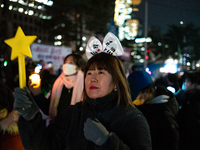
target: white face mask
<point>69,69</point>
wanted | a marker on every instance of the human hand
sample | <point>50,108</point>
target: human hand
<point>95,131</point>
<point>24,103</point>
<point>34,90</point>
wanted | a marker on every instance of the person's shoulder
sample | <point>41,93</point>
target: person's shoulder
<point>78,105</point>
<point>131,111</point>
<point>133,114</point>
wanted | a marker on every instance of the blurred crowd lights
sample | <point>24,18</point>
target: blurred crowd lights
<point>142,40</point>
<point>127,26</point>
<point>170,66</point>
<point>148,70</point>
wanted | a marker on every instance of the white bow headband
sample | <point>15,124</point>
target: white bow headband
<point>111,45</point>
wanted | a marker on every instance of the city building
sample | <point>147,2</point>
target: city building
<point>27,14</point>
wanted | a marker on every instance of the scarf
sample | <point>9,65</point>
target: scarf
<point>75,81</point>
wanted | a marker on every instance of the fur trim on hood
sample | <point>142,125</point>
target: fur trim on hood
<point>9,124</point>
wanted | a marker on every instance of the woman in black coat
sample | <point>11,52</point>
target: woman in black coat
<point>104,120</point>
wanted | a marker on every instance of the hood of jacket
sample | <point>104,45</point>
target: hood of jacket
<point>159,99</point>
<point>9,123</point>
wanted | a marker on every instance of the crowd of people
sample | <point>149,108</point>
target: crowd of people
<point>94,105</point>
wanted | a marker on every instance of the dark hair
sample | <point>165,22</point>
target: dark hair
<point>172,77</point>
<point>115,68</point>
<point>77,59</point>
<point>135,67</point>
<point>6,98</point>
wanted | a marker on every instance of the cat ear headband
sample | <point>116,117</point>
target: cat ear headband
<point>111,45</point>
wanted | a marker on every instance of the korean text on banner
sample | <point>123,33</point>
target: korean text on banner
<point>47,53</point>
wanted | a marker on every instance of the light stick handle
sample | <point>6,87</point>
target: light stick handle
<point>22,72</point>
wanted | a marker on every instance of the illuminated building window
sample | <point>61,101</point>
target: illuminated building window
<point>44,17</point>
<point>39,41</point>
<point>39,7</point>
<point>31,4</point>
<point>141,60</point>
<point>22,2</point>
<point>47,2</point>
<point>62,25</point>
<point>20,10</point>
<point>30,12</point>
<point>49,17</point>
<point>159,44</point>
<point>84,44</point>
<point>57,43</point>
<point>84,38</point>
<point>188,63</point>
<point>58,37</point>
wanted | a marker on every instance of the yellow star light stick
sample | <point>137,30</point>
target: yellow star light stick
<point>20,45</point>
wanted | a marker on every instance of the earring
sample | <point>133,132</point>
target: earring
<point>115,89</point>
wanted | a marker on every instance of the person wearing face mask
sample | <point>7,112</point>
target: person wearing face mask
<point>66,89</point>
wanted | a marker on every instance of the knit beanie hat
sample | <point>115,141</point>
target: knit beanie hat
<point>137,81</point>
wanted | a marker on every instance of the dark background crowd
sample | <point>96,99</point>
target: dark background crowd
<point>170,103</point>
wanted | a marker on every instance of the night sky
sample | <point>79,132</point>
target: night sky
<point>163,13</point>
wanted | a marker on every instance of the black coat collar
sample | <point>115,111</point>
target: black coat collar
<point>104,103</point>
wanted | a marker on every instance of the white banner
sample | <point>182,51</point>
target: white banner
<point>47,53</point>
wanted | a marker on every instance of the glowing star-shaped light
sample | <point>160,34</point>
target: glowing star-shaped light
<point>20,45</point>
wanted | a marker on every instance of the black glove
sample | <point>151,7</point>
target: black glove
<point>95,132</point>
<point>24,103</point>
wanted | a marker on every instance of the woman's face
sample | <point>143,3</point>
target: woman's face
<point>69,67</point>
<point>70,60</point>
<point>98,83</point>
